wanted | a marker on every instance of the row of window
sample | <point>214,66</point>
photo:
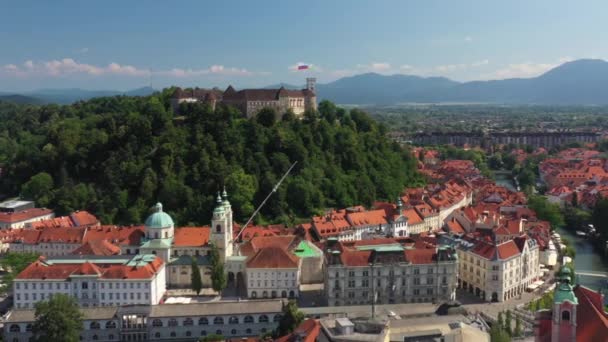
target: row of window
<point>391,273</point>
<point>415,292</point>
<point>83,285</point>
<point>84,295</point>
<point>286,282</point>
<point>273,294</point>
<point>216,321</point>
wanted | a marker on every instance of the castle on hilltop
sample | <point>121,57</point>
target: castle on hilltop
<point>250,101</point>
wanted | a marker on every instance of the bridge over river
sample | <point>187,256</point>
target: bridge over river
<point>592,274</point>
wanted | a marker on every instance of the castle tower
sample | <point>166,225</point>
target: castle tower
<point>221,226</point>
<point>564,309</point>
<point>311,84</point>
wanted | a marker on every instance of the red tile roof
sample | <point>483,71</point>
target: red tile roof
<point>62,235</point>
<point>84,218</point>
<point>252,246</point>
<point>191,236</point>
<point>366,218</point>
<point>273,257</point>
<point>24,215</point>
<point>307,331</point>
<point>41,270</point>
<point>507,250</point>
<point>592,320</point>
<point>97,247</point>
<point>118,235</point>
<point>420,256</point>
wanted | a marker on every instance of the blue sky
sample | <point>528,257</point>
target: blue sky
<point>127,44</point>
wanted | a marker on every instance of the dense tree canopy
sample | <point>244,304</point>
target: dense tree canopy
<point>117,156</point>
<point>58,319</point>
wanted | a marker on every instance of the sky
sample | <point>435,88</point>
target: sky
<point>121,45</point>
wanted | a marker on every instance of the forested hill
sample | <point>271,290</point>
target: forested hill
<point>117,156</point>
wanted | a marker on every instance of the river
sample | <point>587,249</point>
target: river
<point>587,259</point>
<point>505,179</point>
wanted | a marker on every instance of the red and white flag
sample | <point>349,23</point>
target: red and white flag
<point>302,67</point>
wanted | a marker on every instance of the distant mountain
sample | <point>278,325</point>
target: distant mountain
<point>70,95</point>
<point>20,99</point>
<point>285,85</point>
<point>581,82</point>
<point>373,88</point>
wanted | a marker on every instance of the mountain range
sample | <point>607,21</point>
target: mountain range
<point>65,96</point>
<point>580,82</point>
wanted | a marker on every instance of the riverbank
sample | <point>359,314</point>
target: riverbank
<point>588,260</point>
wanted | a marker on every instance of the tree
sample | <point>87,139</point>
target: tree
<point>266,117</point>
<point>290,319</point>
<point>574,199</point>
<point>195,277</point>
<point>212,338</point>
<point>218,277</point>
<point>328,111</point>
<point>14,263</point>
<point>498,334</point>
<point>500,320</point>
<point>518,330</point>
<point>58,319</point>
<point>38,188</point>
<point>546,211</point>
<point>508,323</point>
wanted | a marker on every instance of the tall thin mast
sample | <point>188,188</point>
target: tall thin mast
<point>274,189</point>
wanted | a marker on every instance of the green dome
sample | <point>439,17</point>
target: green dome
<point>159,219</point>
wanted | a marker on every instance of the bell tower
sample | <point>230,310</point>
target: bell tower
<point>565,304</point>
<point>221,226</point>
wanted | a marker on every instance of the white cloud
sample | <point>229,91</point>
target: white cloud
<point>480,63</point>
<point>69,66</point>
<point>450,67</point>
<point>468,39</point>
<point>212,70</point>
<point>406,67</point>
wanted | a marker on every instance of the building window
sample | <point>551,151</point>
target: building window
<point>157,335</point>
<point>219,332</point>
<point>15,328</point>
<point>173,334</point>
<point>248,319</point>
<point>95,326</point>
<point>112,325</point>
<point>233,320</point>
<point>263,319</point>
<point>233,331</point>
<point>565,315</point>
<point>416,270</point>
<point>85,285</point>
<point>429,281</point>
<point>203,321</point>
<point>111,337</point>
<point>172,322</point>
<point>248,331</point>
<point>187,322</point>
<point>218,320</point>
<point>157,323</point>
<point>203,332</point>
<point>218,228</point>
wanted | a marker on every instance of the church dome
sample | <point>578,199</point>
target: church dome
<point>159,219</point>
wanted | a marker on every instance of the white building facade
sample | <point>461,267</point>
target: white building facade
<point>107,281</point>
